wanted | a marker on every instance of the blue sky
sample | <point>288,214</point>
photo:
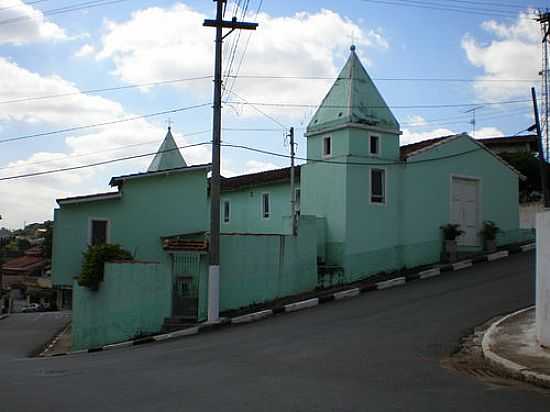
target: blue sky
<point>135,42</point>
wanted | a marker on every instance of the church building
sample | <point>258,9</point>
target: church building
<point>365,205</point>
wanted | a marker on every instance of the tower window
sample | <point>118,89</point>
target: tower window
<point>226,211</point>
<point>327,146</point>
<point>378,186</point>
<point>374,145</point>
<point>266,206</point>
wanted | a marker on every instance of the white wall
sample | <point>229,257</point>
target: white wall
<point>543,278</point>
<point>528,213</point>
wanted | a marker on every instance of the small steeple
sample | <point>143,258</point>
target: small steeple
<point>353,98</point>
<point>168,155</point>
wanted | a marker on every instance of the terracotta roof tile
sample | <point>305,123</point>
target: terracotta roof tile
<point>260,178</point>
<point>24,263</point>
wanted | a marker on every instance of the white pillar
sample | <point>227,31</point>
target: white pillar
<point>213,293</point>
<point>543,278</point>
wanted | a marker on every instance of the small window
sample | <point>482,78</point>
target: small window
<point>327,146</point>
<point>297,199</point>
<point>378,186</point>
<point>266,207</point>
<point>98,231</point>
<point>226,211</point>
<point>374,145</point>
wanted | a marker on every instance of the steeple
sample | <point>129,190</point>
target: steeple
<point>353,98</point>
<point>168,155</point>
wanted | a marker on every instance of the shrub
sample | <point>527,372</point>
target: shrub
<point>490,230</point>
<point>451,231</point>
<point>93,266</point>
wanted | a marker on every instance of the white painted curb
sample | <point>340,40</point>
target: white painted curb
<point>530,246</point>
<point>251,317</point>
<point>462,265</point>
<point>430,273</point>
<point>292,307</point>
<point>515,369</point>
<point>391,283</point>
<point>117,345</point>
<point>347,293</point>
<point>497,255</point>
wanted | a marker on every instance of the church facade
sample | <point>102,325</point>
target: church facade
<point>366,205</point>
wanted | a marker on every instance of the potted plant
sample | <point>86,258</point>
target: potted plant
<point>450,232</point>
<point>489,233</point>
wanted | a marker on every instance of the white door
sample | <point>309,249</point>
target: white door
<point>465,209</point>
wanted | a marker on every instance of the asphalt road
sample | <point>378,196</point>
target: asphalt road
<point>23,333</point>
<point>377,352</point>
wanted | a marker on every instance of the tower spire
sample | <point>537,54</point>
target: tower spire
<point>168,155</point>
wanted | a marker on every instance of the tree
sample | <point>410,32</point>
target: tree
<point>528,165</point>
<point>48,240</point>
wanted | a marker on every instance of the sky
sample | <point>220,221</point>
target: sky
<point>431,60</point>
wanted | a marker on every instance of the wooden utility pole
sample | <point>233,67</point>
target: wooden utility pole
<point>214,241</point>
<point>294,218</point>
<point>542,162</point>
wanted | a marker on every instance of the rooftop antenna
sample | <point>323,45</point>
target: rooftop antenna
<point>473,121</point>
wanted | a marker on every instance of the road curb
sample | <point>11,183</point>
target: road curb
<point>511,368</point>
<point>2,317</point>
<point>321,298</point>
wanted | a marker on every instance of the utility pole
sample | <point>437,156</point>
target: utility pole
<point>544,20</point>
<point>214,242</point>
<point>542,162</point>
<point>292,184</point>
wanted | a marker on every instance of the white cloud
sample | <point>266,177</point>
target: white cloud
<point>168,43</point>
<point>488,132</point>
<point>26,199</point>
<point>416,120</point>
<point>85,51</point>
<point>255,166</point>
<point>18,83</point>
<point>514,53</point>
<point>409,136</point>
<point>22,23</point>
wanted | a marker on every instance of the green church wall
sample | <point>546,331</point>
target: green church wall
<point>246,209</point>
<point>133,300</point>
<point>426,189</point>
<point>149,208</point>
<point>256,268</point>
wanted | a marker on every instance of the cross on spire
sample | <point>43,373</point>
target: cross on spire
<point>169,122</point>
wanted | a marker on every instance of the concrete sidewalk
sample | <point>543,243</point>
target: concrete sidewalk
<point>510,344</point>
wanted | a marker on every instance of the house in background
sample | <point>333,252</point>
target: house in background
<point>366,205</point>
<point>27,278</point>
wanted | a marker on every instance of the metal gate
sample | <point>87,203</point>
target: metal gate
<point>185,291</point>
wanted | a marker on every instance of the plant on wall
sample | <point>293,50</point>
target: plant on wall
<point>451,231</point>
<point>489,230</point>
<point>93,265</point>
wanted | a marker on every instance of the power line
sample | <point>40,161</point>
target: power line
<point>262,151</point>
<point>65,9</point>
<point>415,79</point>
<point>186,79</point>
<point>128,119</point>
<point>254,106</point>
<point>112,149</point>
<point>104,162</point>
<point>424,5</point>
<point>106,89</point>
<point>14,6</point>
<point>492,8</point>
<point>425,106</point>
<point>336,162</point>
